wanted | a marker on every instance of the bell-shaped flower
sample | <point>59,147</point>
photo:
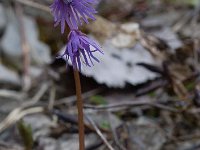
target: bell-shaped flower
<point>72,12</point>
<point>80,49</point>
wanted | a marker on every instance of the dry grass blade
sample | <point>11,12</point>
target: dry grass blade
<point>11,94</point>
<point>52,96</point>
<point>115,136</point>
<point>37,96</point>
<point>99,133</point>
<point>72,99</point>
<point>17,114</point>
<point>20,112</point>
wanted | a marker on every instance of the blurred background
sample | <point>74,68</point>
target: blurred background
<point>143,95</point>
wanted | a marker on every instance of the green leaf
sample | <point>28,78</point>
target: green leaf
<point>193,2</point>
<point>26,134</point>
<point>98,100</point>
<point>105,125</point>
<point>187,2</point>
<point>190,86</point>
<point>152,94</point>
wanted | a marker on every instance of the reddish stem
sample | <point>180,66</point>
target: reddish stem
<point>25,47</point>
<point>80,110</point>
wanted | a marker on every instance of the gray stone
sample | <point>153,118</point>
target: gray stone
<point>161,20</point>
<point>10,146</point>
<point>8,76</point>
<point>66,142</point>
<point>11,43</point>
<point>145,135</point>
<point>35,72</point>
<point>40,128</point>
<point>2,20</point>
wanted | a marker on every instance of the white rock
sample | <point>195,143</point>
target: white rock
<point>118,66</point>
<point>11,43</point>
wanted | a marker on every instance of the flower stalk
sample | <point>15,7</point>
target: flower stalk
<point>80,48</point>
<point>80,110</point>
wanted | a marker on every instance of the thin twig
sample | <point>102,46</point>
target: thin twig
<point>52,96</point>
<point>196,52</point>
<point>184,138</point>
<point>72,99</point>
<point>25,48</point>
<point>182,22</point>
<point>131,104</point>
<point>99,133</point>
<point>74,121</point>
<point>193,111</point>
<point>116,139</point>
<point>34,5</point>
<point>80,110</point>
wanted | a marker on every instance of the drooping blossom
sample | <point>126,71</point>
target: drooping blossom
<point>72,12</point>
<point>80,50</point>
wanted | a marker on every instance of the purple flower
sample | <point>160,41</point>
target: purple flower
<point>80,49</point>
<point>72,12</point>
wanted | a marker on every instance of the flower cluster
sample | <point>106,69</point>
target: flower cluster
<point>74,13</point>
